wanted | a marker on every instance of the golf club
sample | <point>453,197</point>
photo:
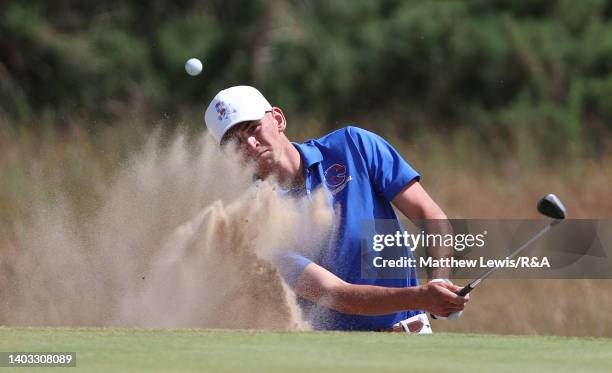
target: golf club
<point>550,206</point>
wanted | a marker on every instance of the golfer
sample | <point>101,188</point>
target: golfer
<point>365,176</point>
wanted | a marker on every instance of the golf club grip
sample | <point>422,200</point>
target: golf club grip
<point>463,292</point>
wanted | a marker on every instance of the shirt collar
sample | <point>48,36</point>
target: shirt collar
<point>311,155</point>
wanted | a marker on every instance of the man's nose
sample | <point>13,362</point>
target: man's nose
<point>252,143</point>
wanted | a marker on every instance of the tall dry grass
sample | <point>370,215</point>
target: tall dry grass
<point>461,177</point>
<point>469,184</point>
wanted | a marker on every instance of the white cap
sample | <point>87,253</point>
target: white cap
<point>232,106</point>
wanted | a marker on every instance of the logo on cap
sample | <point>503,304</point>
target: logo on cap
<point>224,110</point>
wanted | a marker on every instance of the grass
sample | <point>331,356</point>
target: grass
<point>108,349</point>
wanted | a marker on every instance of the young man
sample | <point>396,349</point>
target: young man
<point>365,175</point>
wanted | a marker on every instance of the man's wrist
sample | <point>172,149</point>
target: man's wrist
<point>414,298</point>
<point>438,273</point>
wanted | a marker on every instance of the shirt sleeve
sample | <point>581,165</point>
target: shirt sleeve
<point>290,265</point>
<point>389,172</point>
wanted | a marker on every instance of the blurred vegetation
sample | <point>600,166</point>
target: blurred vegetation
<point>510,75</point>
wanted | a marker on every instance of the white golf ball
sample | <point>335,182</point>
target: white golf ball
<point>193,66</point>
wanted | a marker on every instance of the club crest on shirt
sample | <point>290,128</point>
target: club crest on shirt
<point>224,110</point>
<point>336,178</point>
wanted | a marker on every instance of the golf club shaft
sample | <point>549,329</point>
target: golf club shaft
<point>469,287</point>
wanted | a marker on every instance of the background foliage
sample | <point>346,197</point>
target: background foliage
<point>495,71</point>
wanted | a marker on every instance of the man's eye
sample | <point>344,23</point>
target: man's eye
<point>252,128</point>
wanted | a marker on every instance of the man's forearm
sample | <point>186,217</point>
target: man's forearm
<point>440,228</point>
<point>323,287</point>
<point>368,300</point>
<point>417,206</point>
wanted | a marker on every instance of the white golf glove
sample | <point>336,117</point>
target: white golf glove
<point>452,316</point>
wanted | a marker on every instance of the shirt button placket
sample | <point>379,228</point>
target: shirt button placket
<point>307,182</point>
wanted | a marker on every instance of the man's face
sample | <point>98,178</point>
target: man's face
<point>260,141</point>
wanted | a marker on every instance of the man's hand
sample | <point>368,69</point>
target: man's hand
<point>440,298</point>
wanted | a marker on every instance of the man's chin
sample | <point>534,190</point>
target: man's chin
<point>263,170</point>
<point>263,166</point>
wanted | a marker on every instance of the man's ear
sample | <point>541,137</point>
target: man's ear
<point>279,119</point>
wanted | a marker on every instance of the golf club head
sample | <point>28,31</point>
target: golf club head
<point>552,207</point>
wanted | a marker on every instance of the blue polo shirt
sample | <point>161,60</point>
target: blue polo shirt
<point>362,173</point>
